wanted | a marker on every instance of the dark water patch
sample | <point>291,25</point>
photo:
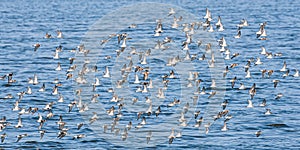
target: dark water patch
<point>277,125</point>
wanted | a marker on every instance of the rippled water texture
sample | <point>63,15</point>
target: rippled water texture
<point>25,23</point>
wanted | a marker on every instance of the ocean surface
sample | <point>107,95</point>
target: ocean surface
<point>25,23</point>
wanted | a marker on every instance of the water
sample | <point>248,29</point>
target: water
<point>25,23</point>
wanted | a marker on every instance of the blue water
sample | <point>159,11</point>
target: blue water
<point>24,23</point>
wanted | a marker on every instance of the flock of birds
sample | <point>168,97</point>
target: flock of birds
<point>142,74</point>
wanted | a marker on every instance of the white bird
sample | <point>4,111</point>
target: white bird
<point>248,75</point>
<point>179,134</point>
<point>60,98</point>
<point>221,28</point>
<point>19,125</point>
<point>262,31</point>
<point>23,111</point>
<point>94,118</point>
<point>190,84</point>
<point>149,110</point>
<point>56,55</point>
<point>207,128</point>
<point>79,136</point>
<point>185,46</point>
<point>124,43</point>
<point>258,133</point>
<point>143,121</point>
<point>263,51</point>
<point>8,96</point>
<point>203,91</point>
<point>243,23</point>
<point>29,90</point>
<point>182,119</point>
<point>55,90</point>
<point>238,35</point>
<point>58,68</point>
<point>49,115</point>
<point>106,73</point>
<point>222,42</point>
<point>222,49</point>
<point>296,73</point>
<point>148,100</point>
<point>250,105</point>
<point>213,83</point>
<point>158,29</point>
<point>48,106</point>
<point>211,29</point>
<point>145,90</point>
<point>218,24</point>
<point>284,67</point>
<point>129,125</point>
<point>269,55</point>
<point>208,15</point>
<point>21,136</point>
<point>114,98</point>
<point>286,74</point>
<point>172,135</point>
<point>278,96</point>
<point>242,87</point>
<point>175,24</point>
<point>42,89</point>
<point>16,106</point>
<point>227,56</point>
<point>187,56</point>
<point>263,104</point>
<point>144,62</point>
<point>171,12</point>
<point>258,62</point>
<point>227,51</point>
<point>59,34</point>
<point>139,89</point>
<point>97,82</point>
<point>268,112</point>
<point>224,128</point>
<point>111,111</point>
<point>136,81</point>
<point>150,85</point>
<point>40,118</point>
<point>161,93</point>
<point>31,81</point>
